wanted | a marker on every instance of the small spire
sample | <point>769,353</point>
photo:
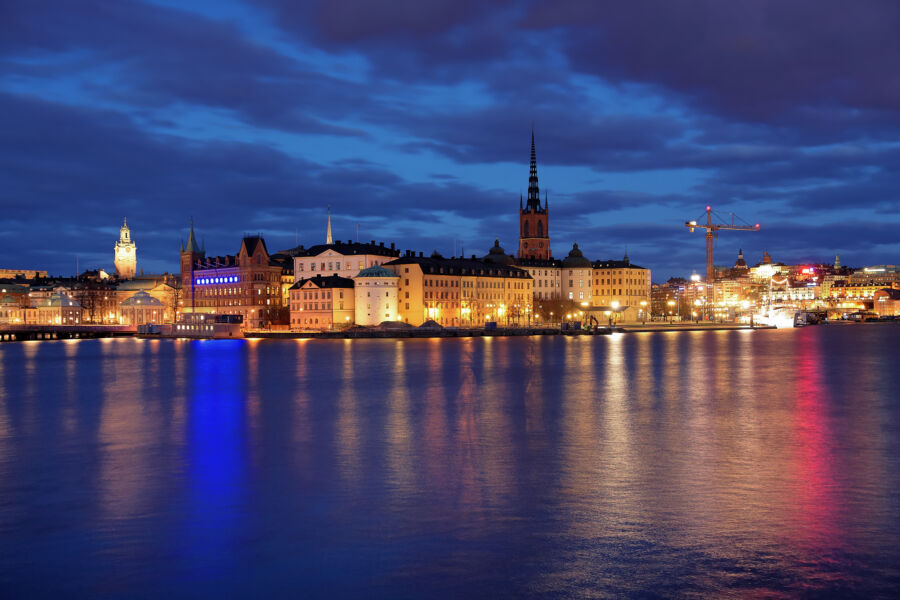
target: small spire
<point>328,238</point>
<point>192,245</point>
<point>626,256</point>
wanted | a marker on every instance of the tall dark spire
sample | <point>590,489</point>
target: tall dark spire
<point>534,192</point>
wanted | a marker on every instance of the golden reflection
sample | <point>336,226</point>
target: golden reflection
<point>436,468</point>
<point>493,415</point>
<point>534,394</point>
<point>302,426</point>
<point>128,429</point>
<point>398,429</point>
<point>70,407</point>
<point>348,434</point>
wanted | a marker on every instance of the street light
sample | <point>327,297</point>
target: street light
<point>671,304</point>
<point>643,311</point>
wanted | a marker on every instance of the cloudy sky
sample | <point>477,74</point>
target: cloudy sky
<point>412,119</point>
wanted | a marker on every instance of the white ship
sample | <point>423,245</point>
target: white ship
<point>782,317</point>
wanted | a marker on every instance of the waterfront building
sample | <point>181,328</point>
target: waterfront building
<point>10,310</point>
<point>16,291</point>
<point>886,302</point>
<point>545,273</point>
<point>142,308</point>
<point>125,253</point>
<point>59,309</point>
<point>375,289</point>
<point>248,283</point>
<point>458,292</point>
<point>534,219</point>
<point>626,286</point>
<point>344,259</point>
<point>575,276</point>
<point>884,275</point>
<point>164,287</point>
<point>859,294</point>
<point>98,299</point>
<point>322,302</point>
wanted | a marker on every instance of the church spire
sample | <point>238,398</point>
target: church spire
<point>534,192</point>
<point>328,239</point>
<point>192,245</point>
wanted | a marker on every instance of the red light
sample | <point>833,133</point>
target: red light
<point>757,225</point>
<point>709,208</point>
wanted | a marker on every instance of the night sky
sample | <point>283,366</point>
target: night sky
<point>413,119</point>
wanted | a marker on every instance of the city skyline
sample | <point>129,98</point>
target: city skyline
<point>415,125</point>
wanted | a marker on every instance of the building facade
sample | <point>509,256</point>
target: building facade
<point>458,292</point>
<point>623,285</point>
<point>59,309</point>
<point>322,302</point>
<point>376,290</point>
<point>125,253</point>
<point>142,308</point>
<point>248,283</point>
<point>575,277</point>
<point>344,259</point>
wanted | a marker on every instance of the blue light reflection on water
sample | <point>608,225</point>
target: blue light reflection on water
<point>689,464</point>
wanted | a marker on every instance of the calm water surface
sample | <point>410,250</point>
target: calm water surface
<point>690,464</point>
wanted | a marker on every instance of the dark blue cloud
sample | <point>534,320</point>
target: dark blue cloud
<point>412,120</point>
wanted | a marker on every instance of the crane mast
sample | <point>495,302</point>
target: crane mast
<point>712,231</point>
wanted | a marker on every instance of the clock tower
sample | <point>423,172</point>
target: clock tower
<point>125,253</point>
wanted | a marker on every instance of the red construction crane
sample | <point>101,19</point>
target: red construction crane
<point>712,230</point>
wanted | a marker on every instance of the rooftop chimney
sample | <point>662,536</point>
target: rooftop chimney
<point>421,254</point>
<point>392,245</point>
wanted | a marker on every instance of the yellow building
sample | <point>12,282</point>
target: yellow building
<point>59,309</point>
<point>322,303</point>
<point>143,308</point>
<point>459,292</point>
<point>623,286</point>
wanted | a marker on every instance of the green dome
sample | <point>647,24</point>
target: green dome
<point>376,271</point>
<point>141,299</point>
<point>59,299</point>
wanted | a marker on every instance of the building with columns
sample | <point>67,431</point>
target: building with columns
<point>125,257</point>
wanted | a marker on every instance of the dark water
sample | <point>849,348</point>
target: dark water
<point>690,465</point>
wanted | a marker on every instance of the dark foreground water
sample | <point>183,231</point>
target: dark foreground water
<point>686,464</point>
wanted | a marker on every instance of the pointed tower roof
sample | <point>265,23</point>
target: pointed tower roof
<point>328,239</point>
<point>192,245</point>
<point>534,192</point>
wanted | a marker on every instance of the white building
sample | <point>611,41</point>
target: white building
<point>375,295</point>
